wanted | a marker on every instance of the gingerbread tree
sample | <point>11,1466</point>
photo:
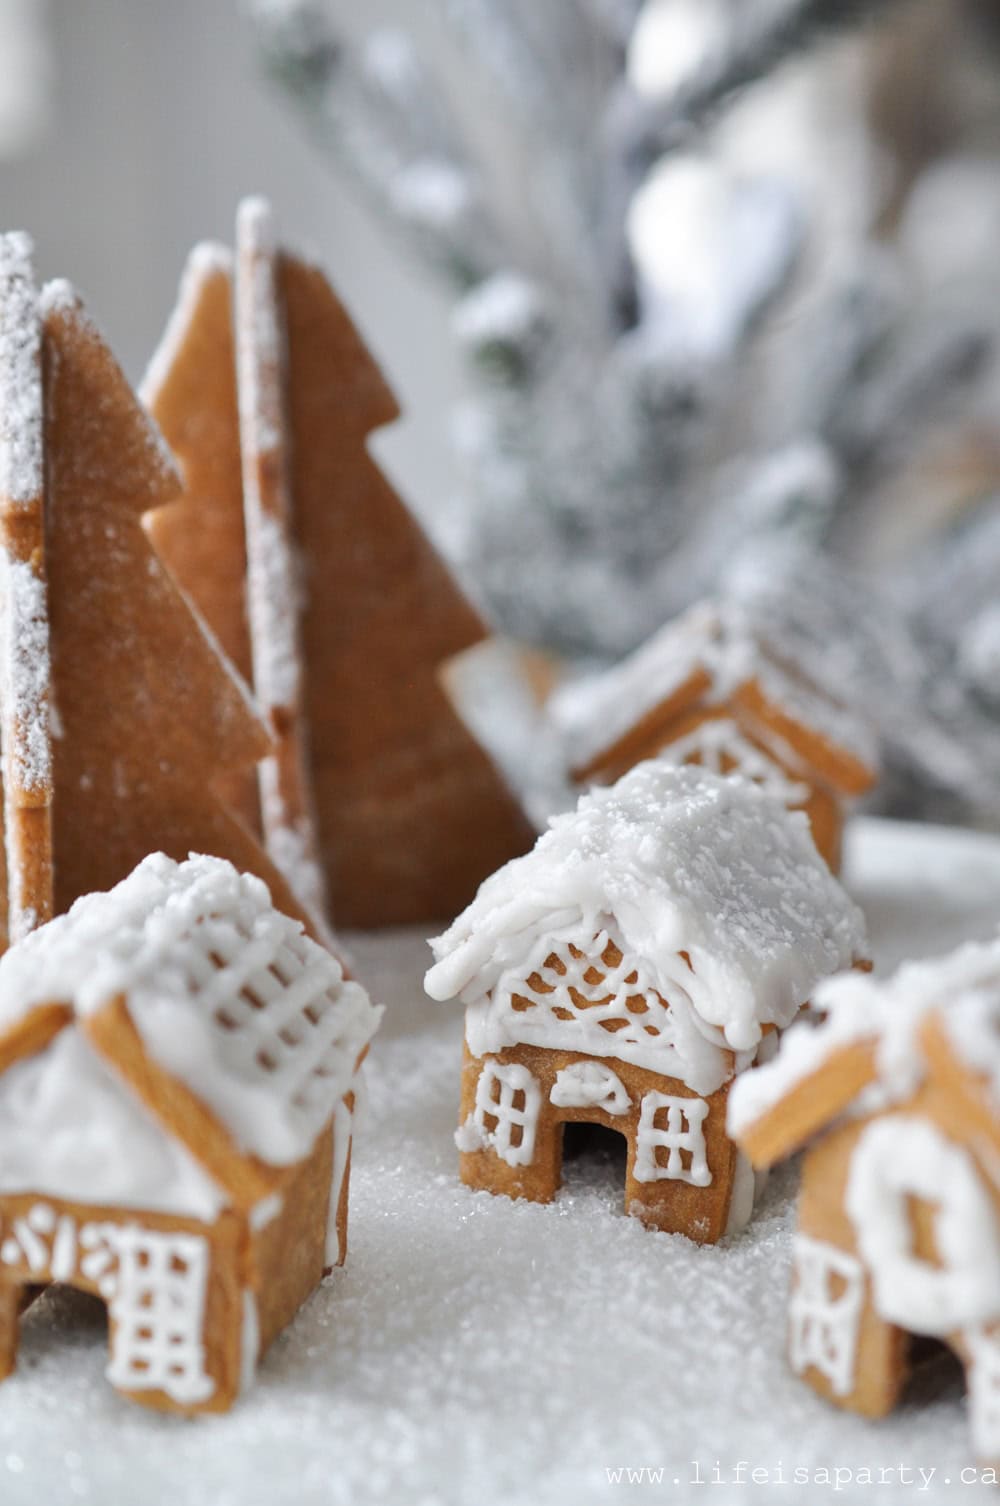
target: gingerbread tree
<point>200,536</point>
<point>352,614</point>
<point>144,712</point>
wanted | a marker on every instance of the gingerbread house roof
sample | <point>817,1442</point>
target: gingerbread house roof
<point>712,884</point>
<point>236,1030</point>
<point>714,655</point>
<point>876,1042</point>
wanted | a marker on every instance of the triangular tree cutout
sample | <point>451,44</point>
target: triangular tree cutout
<point>352,614</point>
<point>200,537</point>
<point>144,711</point>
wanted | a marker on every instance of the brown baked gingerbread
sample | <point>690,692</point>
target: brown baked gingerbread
<point>148,710</point>
<point>205,1193</point>
<point>409,811</point>
<point>604,983</point>
<point>709,689</point>
<point>894,1095</point>
<point>191,392</point>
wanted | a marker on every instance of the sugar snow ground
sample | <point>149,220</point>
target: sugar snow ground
<point>482,1351</point>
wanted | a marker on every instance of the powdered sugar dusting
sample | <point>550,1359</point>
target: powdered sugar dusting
<point>24,644</point>
<point>681,861</point>
<point>60,300</point>
<point>274,597</point>
<point>261,350</point>
<point>20,374</point>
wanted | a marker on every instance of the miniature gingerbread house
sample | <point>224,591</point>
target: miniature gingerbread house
<point>623,972</point>
<point>709,689</point>
<point>178,1064</point>
<point>899,1217</point>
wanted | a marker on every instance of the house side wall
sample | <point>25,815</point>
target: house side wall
<point>287,1255</point>
<point>669,1204</point>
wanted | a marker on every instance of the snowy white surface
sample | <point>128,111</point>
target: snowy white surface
<point>476,1350</point>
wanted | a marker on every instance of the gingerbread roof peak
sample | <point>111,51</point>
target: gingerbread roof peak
<point>682,861</point>
<point>227,996</point>
<point>886,1015</point>
<point>711,650</point>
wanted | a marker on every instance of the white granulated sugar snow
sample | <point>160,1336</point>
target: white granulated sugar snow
<point>476,1350</point>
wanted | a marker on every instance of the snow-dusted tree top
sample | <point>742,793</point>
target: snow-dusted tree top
<point>857,1008</point>
<point>180,942</point>
<point>673,860</point>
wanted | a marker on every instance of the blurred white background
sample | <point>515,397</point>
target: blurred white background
<point>156,121</point>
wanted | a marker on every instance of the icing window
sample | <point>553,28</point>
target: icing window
<point>984,1391</point>
<point>154,1282</point>
<point>156,1311</point>
<point>670,1143</point>
<point>506,1112</point>
<point>825,1311</point>
<point>590,1085</point>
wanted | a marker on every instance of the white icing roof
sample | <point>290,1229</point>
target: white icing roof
<point>964,984</point>
<point>592,714</point>
<point>229,996</point>
<point>680,860</point>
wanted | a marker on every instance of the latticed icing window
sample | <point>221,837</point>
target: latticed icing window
<point>269,995</point>
<point>825,1311</point>
<point>157,1310</point>
<point>670,1141</point>
<point>984,1390</point>
<point>505,1113</point>
<point>601,997</point>
<point>719,745</point>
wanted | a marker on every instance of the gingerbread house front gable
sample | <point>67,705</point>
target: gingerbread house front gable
<point>177,1071</point>
<point>709,689</point>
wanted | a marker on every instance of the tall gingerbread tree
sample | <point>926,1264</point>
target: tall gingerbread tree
<point>352,616</point>
<point>145,713</point>
<point>191,389</point>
